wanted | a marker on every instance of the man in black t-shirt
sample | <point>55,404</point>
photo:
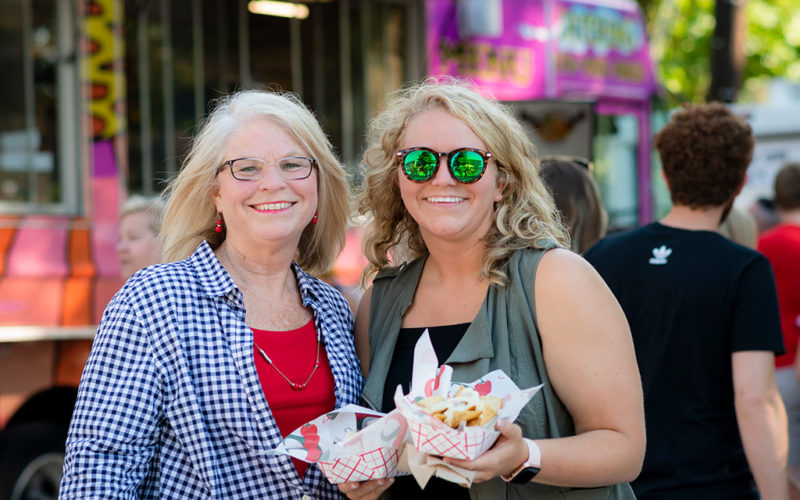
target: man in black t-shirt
<point>704,317</point>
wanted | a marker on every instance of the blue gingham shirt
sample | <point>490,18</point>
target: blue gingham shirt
<point>170,404</point>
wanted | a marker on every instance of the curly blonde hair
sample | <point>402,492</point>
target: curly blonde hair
<point>190,213</point>
<point>525,217</point>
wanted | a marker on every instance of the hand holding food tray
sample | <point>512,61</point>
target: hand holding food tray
<point>352,443</point>
<point>452,420</point>
<point>454,432</point>
<point>435,419</point>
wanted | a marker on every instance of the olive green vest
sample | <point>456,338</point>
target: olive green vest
<point>503,336</point>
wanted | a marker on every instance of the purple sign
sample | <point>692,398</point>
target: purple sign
<point>482,41</point>
<point>542,49</point>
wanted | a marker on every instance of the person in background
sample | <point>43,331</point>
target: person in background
<point>139,224</point>
<point>202,365</point>
<point>781,245</point>
<point>764,213</point>
<point>739,226</point>
<point>704,318</point>
<point>577,198</point>
<point>451,182</point>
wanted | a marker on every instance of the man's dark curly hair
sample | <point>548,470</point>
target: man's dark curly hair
<point>787,187</point>
<point>705,150</point>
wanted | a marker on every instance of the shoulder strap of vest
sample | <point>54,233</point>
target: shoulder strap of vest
<point>389,272</point>
<point>529,263</point>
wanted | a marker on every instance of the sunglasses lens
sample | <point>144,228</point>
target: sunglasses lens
<point>419,165</point>
<point>467,166</point>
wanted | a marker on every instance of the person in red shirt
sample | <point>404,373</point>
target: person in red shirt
<point>781,245</point>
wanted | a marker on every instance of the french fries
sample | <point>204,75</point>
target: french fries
<point>465,406</point>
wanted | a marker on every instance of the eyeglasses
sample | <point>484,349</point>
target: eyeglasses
<point>466,165</point>
<point>292,168</point>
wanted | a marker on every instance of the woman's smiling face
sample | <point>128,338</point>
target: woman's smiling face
<point>443,207</point>
<point>272,209</point>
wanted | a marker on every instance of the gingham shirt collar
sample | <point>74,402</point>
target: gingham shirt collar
<point>216,281</point>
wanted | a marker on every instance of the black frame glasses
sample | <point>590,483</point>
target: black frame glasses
<point>254,169</point>
<point>422,167</point>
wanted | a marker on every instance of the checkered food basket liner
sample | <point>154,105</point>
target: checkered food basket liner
<point>373,464</point>
<point>350,444</point>
<point>466,445</point>
<point>431,436</point>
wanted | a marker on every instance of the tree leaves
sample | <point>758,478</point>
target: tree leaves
<point>681,33</point>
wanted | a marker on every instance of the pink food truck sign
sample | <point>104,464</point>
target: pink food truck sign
<point>542,49</point>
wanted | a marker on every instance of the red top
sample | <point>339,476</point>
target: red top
<point>781,245</point>
<point>294,353</point>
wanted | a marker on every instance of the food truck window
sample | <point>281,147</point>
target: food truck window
<point>342,58</point>
<point>38,134</point>
<point>614,148</point>
<point>617,174</point>
<point>178,57</point>
<point>661,201</point>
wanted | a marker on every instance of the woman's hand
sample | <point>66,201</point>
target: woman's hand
<point>367,490</point>
<point>508,452</point>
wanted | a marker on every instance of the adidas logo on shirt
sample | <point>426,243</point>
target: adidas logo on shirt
<point>660,255</point>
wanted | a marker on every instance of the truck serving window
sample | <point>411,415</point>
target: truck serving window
<point>38,103</point>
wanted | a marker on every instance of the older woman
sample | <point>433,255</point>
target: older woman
<point>452,185</point>
<point>200,366</point>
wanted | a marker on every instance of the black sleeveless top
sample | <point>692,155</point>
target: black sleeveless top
<point>444,340</point>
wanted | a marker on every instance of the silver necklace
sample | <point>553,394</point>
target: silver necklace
<point>293,385</point>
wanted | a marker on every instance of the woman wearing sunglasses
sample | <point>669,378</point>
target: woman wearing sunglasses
<point>463,240</point>
<point>202,365</point>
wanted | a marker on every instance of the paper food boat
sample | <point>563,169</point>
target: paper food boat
<point>355,443</point>
<point>432,437</point>
<point>352,443</point>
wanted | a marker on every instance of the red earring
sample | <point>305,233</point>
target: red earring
<point>315,218</point>
<point>218,227</point>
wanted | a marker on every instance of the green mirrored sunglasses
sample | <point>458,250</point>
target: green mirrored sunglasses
<point>466,165</point>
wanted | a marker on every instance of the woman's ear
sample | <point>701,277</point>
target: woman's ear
<point>214,192</point>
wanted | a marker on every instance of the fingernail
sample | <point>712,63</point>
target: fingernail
<point>381,481</point>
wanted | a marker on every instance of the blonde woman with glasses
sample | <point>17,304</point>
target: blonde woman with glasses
<point>202,365</point>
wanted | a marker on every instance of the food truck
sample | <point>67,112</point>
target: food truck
<point>101,95</point>
<point>577,73</point>
<point>98,100</point>
<point>58,233</point>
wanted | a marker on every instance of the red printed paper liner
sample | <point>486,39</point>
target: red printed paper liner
<point>374,464</point>
<point>433,437</point>
<point>352,443</point>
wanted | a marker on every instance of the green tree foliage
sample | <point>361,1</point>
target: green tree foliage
<point>773,43</point>
<point>680,33</point>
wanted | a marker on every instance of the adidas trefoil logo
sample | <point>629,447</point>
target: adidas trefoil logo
<point>660,255</point>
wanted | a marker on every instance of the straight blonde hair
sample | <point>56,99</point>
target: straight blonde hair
<point>190,214</point>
